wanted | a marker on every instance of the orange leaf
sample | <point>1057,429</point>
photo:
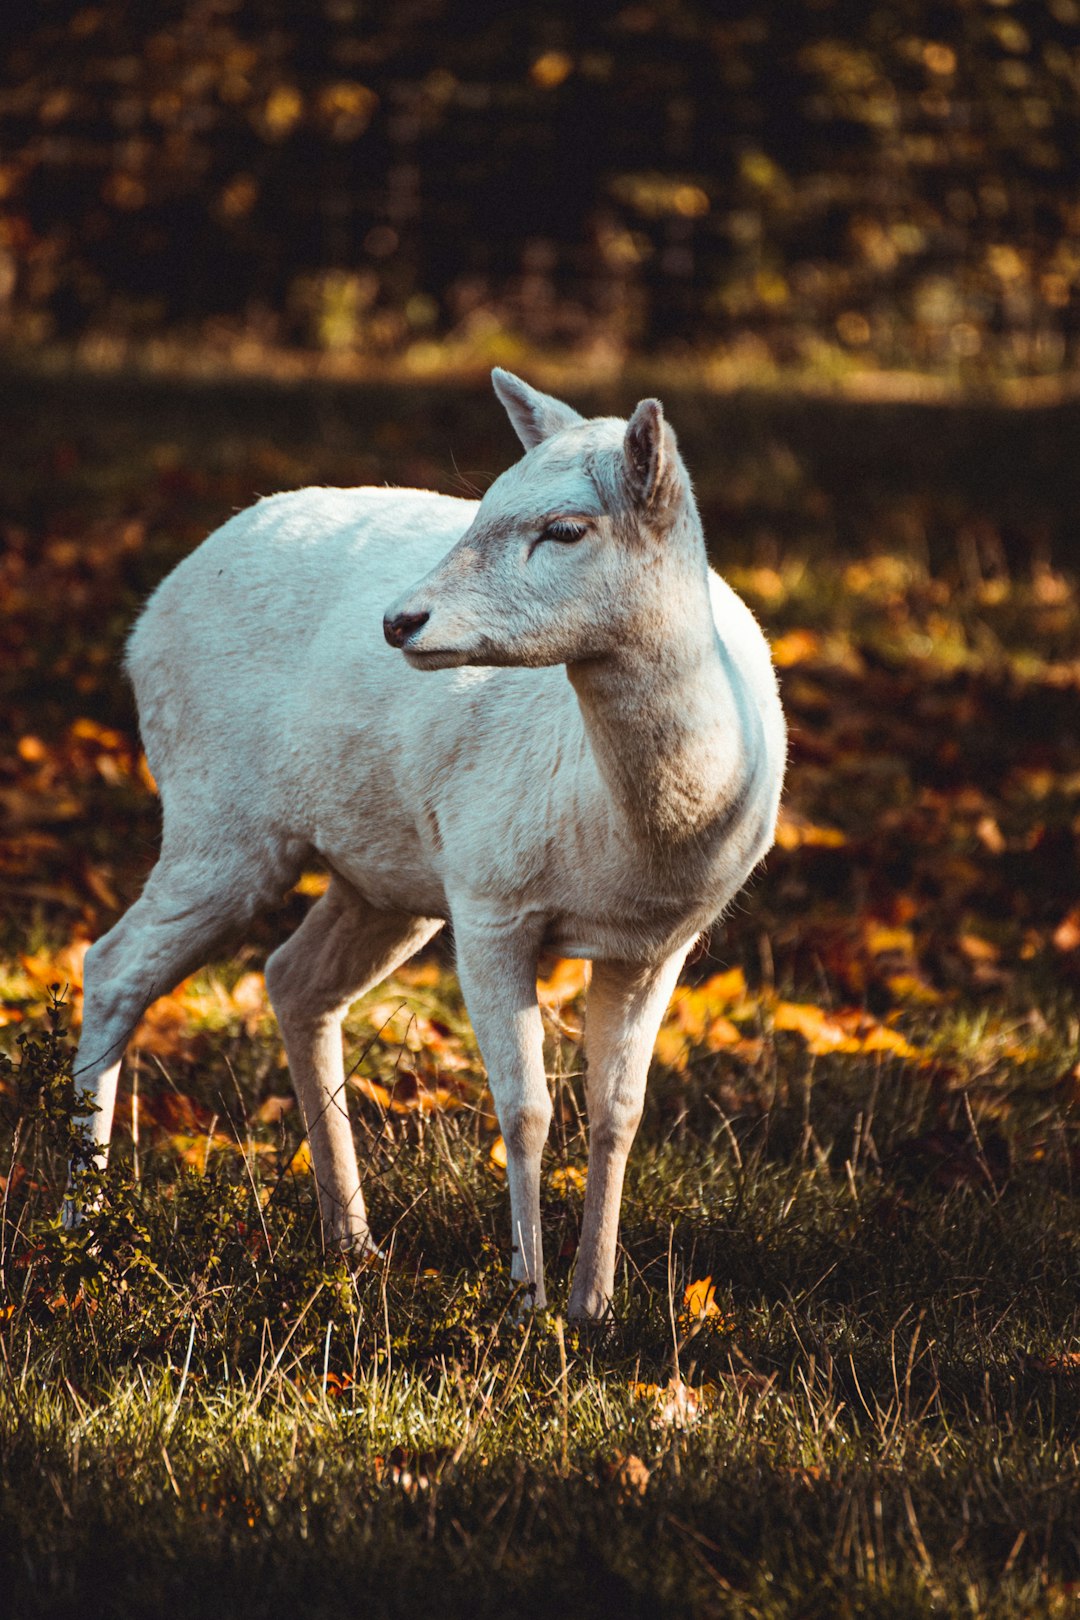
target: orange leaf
<point>848,1031</point>
<point>372,1090</point>
<point>568,978</point>
<point>977,949</point>
<point>1066,935</point>
<point>272,1109</point>
<point>66,967</point>
<point>813,1023</point>
<point>497,1155</point>
<point>1063,1364</point>
<point>699,1300</point>
<point>796,832</point>
<point>797,647</point>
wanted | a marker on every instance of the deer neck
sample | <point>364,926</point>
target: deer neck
<point>667,723</point>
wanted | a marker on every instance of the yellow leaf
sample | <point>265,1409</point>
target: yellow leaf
<point>912,987</point>
<point>550,69</point>
<point>195,1148</point>
<point>671,1047</point>
<point>283,109</point>
<point>882,1039</point>
<point>497,1154</point>
<point>300,1164</point>
<point>881,940</point>
<point>724,988</point>
<point>312,884</point>
<point>567,1177</point>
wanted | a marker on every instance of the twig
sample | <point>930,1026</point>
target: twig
<point>183,1381</point>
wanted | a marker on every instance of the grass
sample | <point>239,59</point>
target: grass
<point>861,1135</point>
<point>201,1410</point>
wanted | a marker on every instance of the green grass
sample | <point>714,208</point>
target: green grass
<point>201,1412</point>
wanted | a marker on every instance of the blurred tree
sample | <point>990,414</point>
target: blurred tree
<point>899,181</point>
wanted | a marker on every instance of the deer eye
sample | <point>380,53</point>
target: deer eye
<point>565,531</point>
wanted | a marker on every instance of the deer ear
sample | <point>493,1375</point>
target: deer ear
<point>534,416</point>
<point>643,447</point>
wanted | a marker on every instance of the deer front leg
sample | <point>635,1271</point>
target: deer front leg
<point>497,969</point>
<point>625,1006</point>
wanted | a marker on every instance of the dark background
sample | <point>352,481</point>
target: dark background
<point>825,185</point>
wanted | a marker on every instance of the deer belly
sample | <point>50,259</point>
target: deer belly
<point>632,936</point>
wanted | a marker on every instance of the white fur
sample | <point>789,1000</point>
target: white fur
<point>610,815</point>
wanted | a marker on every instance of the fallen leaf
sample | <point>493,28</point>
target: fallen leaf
<point>196,1150</point>
<point>881,940</point>
<point>273,1109</point>
<point>1066,935</point>
<point>678,1406</point>
<point>977,949</point>
<point>1063,1364</point>
<point>847,1031</point>
<point>372,1090</point>
<point>312,885</point>
<point>627,1472</point>
<point>796,832</point>
<point>568,979</point>
<point>796,647</point>
<point>699,1300</point>
<point>250,999</point>
<point>300,1164</point>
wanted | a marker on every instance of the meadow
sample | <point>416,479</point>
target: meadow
<point>842,1375</point>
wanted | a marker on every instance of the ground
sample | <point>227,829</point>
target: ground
<point>843,1369</point>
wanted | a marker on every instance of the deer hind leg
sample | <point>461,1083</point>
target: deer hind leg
<point>188,907</point>
<point>341,949</point>
<point>626,1004</point>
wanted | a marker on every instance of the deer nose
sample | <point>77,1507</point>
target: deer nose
<point>398,629</point>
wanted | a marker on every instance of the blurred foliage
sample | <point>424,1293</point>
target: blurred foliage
<point>824,184</point>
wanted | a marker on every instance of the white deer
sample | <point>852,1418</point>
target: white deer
<point>572,743</point>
